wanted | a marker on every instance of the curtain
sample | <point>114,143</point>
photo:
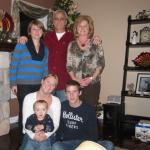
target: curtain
<point>31,10</point>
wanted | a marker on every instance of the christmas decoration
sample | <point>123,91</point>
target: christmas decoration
<point>6,27</point>
<point>70,7</point>
<point>142,60</point>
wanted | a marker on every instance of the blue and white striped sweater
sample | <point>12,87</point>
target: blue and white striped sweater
<point>24,70</point>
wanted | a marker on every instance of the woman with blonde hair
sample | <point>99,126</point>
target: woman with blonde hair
<point>85,60</point>
<point>41,140</point>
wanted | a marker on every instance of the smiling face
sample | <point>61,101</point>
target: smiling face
<point>36,29</point>
<point>83,28</point>
<point>40,110</point>
<point>73,93</point>
<point>59,21</point>
<point>36,32</point>
<point>49,84</point>
<point>83,25</point>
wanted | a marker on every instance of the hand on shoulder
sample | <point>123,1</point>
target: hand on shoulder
<point>22,40</point>
<point>97,40</point>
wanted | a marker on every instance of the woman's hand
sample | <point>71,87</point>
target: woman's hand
<point>37,137</point>
<point>86,81</point>
<point>97,40</point>
<point>22,40</point>
<point>83,82</point>
<point>14,90</point>
<point>38,128</point>
<point>40,136</point>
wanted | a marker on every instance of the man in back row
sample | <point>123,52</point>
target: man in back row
<point>78,121</point>
<point>57,42</point>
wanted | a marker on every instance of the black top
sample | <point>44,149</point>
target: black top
<point>32,121</point>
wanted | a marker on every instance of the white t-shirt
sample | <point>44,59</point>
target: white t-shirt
<point>59,35</point>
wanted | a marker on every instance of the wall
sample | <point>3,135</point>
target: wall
<point>6,4</point>
<point>110,18</point>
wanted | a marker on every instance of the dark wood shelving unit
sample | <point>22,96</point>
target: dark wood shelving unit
<point>138,45</point>
<point>140,69</point>
<point>125,93</point>
<point>129,121</point>
<point>139,21</point>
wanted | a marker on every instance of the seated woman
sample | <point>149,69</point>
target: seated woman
<point>41,140</point>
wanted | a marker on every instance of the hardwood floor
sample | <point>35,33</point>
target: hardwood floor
<point>11,142</point>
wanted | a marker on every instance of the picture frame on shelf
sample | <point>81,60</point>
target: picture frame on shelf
<point>145,35</point>
<point>143,84</point>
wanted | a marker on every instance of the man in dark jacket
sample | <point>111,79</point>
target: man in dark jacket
<point>78,121</point>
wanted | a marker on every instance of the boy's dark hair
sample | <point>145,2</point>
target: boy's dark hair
<point>73,83</point>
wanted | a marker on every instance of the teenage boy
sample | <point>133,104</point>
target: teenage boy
<point>78,121</point>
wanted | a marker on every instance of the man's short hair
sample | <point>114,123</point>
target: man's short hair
<point>73,83</point>
<point>60,11</point>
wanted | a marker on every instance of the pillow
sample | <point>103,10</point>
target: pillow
<point>89,145</point>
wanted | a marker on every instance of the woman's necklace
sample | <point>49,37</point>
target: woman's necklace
<point>82,42</point>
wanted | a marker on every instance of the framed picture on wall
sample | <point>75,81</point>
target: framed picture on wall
<point>145,35</point>
<point>143,83</point>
